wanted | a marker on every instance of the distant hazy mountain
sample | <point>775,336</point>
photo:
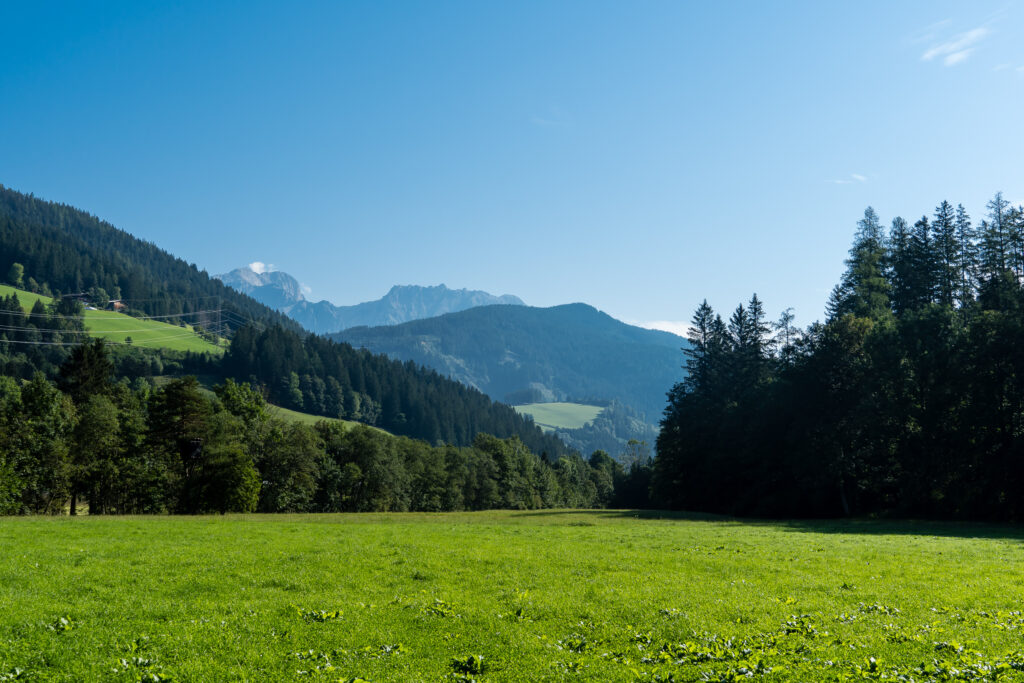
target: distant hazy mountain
<point>402,304</point>
<point>522,354</point>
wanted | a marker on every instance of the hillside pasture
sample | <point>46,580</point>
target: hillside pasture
<point>507,596</point>
<point>553,416</point>
<point>25,298</point>
<point>118,327</point>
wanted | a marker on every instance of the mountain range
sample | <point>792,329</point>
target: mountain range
<point>402,303</point>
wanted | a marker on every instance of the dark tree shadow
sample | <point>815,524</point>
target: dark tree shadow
<point>854,526</point>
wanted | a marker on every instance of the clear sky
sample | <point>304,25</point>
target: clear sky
<point>638,156</point>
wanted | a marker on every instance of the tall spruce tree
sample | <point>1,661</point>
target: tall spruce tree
<point>864,290</point>
<point>922,265</point>
<point>700,353</point>
<point>901,267</point>
<point>87,372</point>
<point>944,243</point>
<point>967,258</point>
<point>997,280</point>
<point>996,239</point>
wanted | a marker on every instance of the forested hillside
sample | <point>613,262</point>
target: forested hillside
<point>907,400</point>
<point>70,251</point>
<point>53,249</point>
<point>319,376</point>
<point>523,354</point>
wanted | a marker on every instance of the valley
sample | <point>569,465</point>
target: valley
<point>498,342</point>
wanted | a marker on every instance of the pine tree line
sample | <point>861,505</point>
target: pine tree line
<point>86,442</point>
<point>906,400</point>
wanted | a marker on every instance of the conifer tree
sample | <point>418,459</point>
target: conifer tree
<point>967,257</point>
<point>901,273</point>
<point>786,336</point>
<point>701,349</point>
<point>864,290</point>
<point>922,265</point>
<point>996,244</point>
<point>944,242</point>
<point>87,372</point>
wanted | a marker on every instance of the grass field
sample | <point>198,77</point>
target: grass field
<point>552,416</point>
<point>117,327</point>
<point>307,418</point>
<point>506,596</point>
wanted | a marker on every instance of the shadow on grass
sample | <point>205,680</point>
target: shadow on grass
<point>855,526</point>
<point>666,515</point>
<point>899,527</point>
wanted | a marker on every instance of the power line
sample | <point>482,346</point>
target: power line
<point>140,342</point>
<point>56,316</point>
<point>11,328</point>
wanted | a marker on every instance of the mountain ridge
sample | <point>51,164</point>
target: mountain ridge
<point>402,303</point>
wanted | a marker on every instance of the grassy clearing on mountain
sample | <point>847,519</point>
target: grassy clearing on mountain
<point>308,419</point>
<point>118,327</point>
<point>25,298</point>
<point>552,416</point>
<point>506,596</point>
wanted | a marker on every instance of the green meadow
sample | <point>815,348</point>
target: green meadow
<point>552,416</point>
<point>118,327</point>
<point>507,596</point>
<point>25,298</point>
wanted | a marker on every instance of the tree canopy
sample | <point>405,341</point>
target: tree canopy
<point>906,400</point>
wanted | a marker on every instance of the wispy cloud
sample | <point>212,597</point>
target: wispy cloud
<point>956,49</point>
<point>957,57</point>
<point>854,178</point>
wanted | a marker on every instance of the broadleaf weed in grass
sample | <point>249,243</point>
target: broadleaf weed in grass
<point>470,664</point>
<point>62,625</point>
<point>878,609</point>
<point>319,616</point>
<point>440,608</point>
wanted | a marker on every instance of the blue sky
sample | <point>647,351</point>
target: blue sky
<point>638,156</point>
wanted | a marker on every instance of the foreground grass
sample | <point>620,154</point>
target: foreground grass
<point>552,416</point>
<point>528,596</point>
